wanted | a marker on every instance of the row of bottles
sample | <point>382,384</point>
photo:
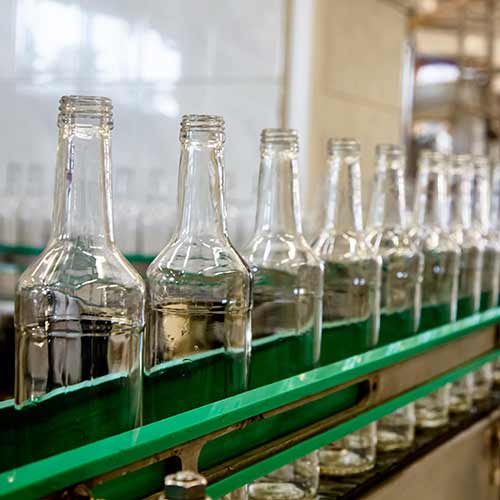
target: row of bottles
<point>141,228</point>
<point>81,308</point>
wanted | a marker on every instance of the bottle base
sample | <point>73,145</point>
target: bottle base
<point>277,491</point>
<point>392,441</point>
<point>344,463</point>
<point>432,422</point>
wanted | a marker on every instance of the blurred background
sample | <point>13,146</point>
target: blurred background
<point>421,72</point>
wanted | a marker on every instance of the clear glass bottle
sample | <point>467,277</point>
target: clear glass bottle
<point>298,480</point>
<point>80,306</point>
<point>184,485</point>
<point>199,290</point>
<point>402,269</point>
<point>471,258</point>
<point>441,268</point>
<point>351,300</point>
<point>483,378</point>
<point>495,232</point>
<point>288,278</point>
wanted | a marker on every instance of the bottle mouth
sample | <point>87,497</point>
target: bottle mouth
<point>460,161</point>
<point>389,156</point>
<point>343,145</point>
<point>481,162</point>
<point>280,138</point>
<point>85,109</point>
<point>202,128</point>
<point>432,159</point>
<point>185,484</point>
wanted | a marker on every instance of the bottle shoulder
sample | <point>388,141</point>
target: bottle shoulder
<point>348,246</point>
<point>389,241</point>
<point>208,258</point>
<point>75,264</point>
<point>280,253</point>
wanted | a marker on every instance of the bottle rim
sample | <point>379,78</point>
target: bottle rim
<point>389,149</point>
<point>75,107</point>
<point>343,144</point>
<point>284,138</point>
<point>192,125</point>
<point>185,484</point>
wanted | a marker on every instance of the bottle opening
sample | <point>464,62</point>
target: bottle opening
<point>343,145</point>
<point>389,156</point>
<point>88,109</point>
<point>432,159</point>
<point>202,128</point>
<point>481,162</point>
<point>280,138</point>
<point>461,161</point>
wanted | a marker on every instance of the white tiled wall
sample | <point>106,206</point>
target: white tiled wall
<point>156,59</point>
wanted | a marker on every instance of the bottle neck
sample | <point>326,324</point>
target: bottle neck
<point>480,199</point>
<point>200,202</point>
<point>495,200</point>
<point>431,198</point>
<point>344,207</point>
<point>278,204</point>
<point>460,200</point>
<point>82,204</point>
<point>388,205</point>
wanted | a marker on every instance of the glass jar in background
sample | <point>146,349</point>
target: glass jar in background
<point>298,480</point>
<point>351,300</point>
<point>288,278</point>
<point>127,210</point>
<point>12,196</point>
<point>157,218</point>
<point>441,268</point>
<point>33,215</point>
<point>80,306</point>
<point>198,334</point>
<point>402,269</point>
<point>483,378</point>
<point>471,258</point>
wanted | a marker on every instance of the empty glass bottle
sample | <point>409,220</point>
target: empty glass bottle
<point>185,485</point>
<point>80,306</point>
<point>351,298</point>
<point>483,377</point>
<point>441,267</point>
<point>298,480</point>
<point>495,231</point>
<point>288,279</point>
<point>471,258</point>
<point>199,288</point>
<point>401,277</point>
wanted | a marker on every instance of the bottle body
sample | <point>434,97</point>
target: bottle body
<point>197,344</point>
<point>286,315</point>
<point>80,306</point>
<point>353,454</point>
<point>298,480</point>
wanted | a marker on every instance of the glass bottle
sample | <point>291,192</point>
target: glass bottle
<point>185,485</point>
<point>288,278</point>
<point>441,267</point>
<point>495,232</point>
<point>80,306</point>
<point>471,257</point>
<point>298,480</point>
<point>197,346</point>
<point>351,288</point>
<point>483,377</point>
<point>401,278</point>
